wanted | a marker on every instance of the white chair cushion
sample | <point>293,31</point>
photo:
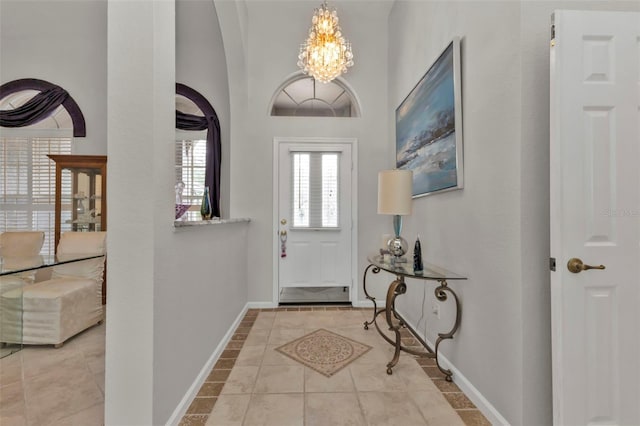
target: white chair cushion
<point>21,243</point>
<point>73,243</point>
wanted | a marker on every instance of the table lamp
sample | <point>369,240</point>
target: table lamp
<point>395,198</point>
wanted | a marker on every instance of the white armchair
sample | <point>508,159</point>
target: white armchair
<point>70,302</point>
<point>17,249</point>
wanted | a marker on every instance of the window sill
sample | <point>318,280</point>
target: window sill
<point>188,223</point>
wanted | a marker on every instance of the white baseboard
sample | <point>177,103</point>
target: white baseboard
<point>465,385</point>
<point>193,390</point>
<point>367,304</point>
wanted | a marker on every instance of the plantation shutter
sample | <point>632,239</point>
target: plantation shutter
<point>315,183</point>
<point>27,184</point>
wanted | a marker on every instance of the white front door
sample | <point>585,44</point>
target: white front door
<point>314,214</point>
<point>595,217</point>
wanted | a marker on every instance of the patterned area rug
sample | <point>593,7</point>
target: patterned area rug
<point>324,351</point>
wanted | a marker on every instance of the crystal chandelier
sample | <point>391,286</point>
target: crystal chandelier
<point>326,54</point>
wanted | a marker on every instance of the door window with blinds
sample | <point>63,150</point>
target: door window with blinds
<point>27,183</point>
<point>315,190</point>
<point>191,165</point>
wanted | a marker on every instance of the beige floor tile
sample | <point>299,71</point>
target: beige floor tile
<point>241,380</point>
<point>275,410</point>
<point>251,355</point>
<point>99,379</point>
<point>280,336</point>
<point>12,401</point>
<point>286,319</point>
<point>339,382</point>
<point>435,408</point>
<point>374,378</point>
<point>273,357</point>
<point>280,379</point>
<point>267,315</point>
<point>390,408</point>
<point>258,337</point>
<point>15,420</point>
<point>378,356</point>
<point>60,393</point>
<point>11,369</point>
<point>229,410</point>
<point>92,416</point>
<point>37,360</point>
<point>263,324</point>
<point>413,376</point>
<point>335,409</point>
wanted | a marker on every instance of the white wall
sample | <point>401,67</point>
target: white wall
<point>275,31</point>
<point>474,232</point>
<point>175,292</point>
<point>494,231</point>
<point>64,43</point>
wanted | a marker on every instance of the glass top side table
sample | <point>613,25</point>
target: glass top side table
<point>398,287</point>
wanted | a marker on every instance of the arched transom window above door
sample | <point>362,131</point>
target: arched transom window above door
<point>303,96</point>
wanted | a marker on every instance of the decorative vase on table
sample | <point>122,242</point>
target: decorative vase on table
<point>418,268</point>
<point>205,206</point>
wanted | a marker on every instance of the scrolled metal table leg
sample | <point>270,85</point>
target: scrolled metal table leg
<point>375,270</point>
<point>441,295</point>
<point>396,288</point>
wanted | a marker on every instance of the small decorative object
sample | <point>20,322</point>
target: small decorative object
<point>181,209</point>
<point>417,257</point>
<point>205,207</point>
<point>179,188</point>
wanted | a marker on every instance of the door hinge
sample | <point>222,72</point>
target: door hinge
<point>552,263</point>
<point>553,35</point>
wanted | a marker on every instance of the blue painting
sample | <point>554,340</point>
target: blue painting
<point>429,127</point>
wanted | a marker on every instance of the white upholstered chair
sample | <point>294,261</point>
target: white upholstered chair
<point>70,302</point>
<point>18,249</point>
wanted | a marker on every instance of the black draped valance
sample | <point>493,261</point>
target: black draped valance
<point>210,122</point>
<point>41,106</point>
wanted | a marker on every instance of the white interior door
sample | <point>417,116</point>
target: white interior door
<point>595,217</point>
<point>314,215</point>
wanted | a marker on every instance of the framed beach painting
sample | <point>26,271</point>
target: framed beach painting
<point>429,127</point>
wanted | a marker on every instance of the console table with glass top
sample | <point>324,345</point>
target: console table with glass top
<point>398,287</point>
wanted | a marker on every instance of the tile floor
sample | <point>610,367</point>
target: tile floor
<point>41,385</point>
<point>253,384</point>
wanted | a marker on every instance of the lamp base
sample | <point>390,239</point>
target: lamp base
<point>397,247</point>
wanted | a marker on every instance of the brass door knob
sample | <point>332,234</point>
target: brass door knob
<point>576,265</point>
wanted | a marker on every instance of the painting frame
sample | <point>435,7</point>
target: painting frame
<point>429,127</point>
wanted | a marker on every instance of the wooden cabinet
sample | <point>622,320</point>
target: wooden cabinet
<point>81,189</point>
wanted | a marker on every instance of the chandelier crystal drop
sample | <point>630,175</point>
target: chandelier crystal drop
<point>325,54</point>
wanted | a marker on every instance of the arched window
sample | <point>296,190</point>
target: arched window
<point>37,118</point>
<point>303,96</point>
<point>197,159</point>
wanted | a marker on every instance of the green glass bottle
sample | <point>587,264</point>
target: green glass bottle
<point>205,206</point>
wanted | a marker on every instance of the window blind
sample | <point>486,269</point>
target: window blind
<point>27,184</point>
<point>315,189</point>
<point>191,164</point>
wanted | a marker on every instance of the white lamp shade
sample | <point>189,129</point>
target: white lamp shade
<point>394,192</point>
